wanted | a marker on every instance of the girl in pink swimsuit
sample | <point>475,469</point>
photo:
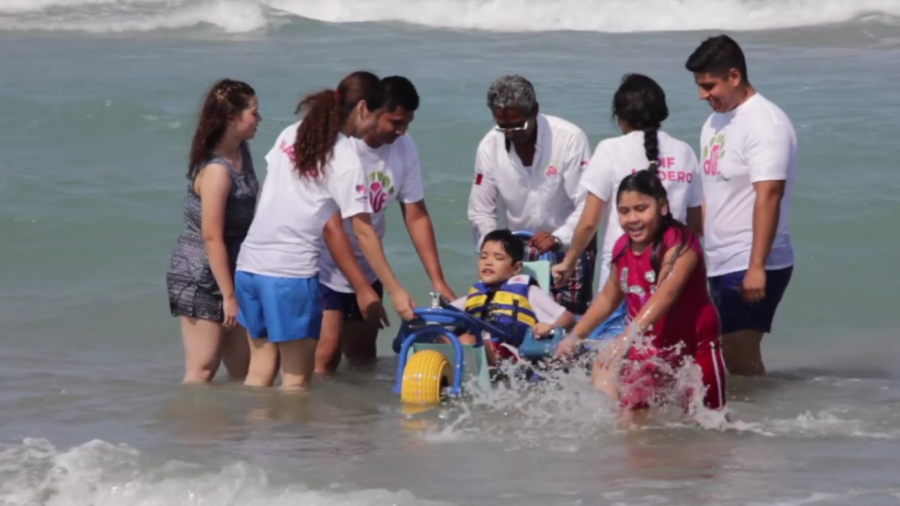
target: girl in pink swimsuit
<point>659,270</point>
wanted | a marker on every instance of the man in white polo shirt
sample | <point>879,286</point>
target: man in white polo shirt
<point>530,164</point>
<point>748,149</point>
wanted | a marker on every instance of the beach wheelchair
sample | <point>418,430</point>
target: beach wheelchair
<point>428,371</point>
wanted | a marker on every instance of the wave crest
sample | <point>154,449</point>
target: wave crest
<point>238,16</point>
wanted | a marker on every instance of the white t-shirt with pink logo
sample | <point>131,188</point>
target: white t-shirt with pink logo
<point>285,237</point>
<point>755,142</point>
<point>393,173</point>
<point>616,158</point>
<point>543,196</point>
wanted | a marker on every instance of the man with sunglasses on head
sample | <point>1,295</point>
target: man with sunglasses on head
<point>530,165</point>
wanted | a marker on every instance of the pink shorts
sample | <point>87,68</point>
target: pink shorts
<point>643,383</point>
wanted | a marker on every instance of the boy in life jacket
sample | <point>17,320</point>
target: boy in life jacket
<point>508,299</point>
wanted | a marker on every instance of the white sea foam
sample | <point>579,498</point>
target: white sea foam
<point>103,474</point>
<point>238,16</point>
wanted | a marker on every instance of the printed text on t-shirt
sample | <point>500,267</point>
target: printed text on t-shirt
<point>675,176</point>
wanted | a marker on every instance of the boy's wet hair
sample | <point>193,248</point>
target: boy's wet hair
<point>512,245</point>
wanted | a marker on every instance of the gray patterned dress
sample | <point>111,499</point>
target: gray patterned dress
<point>192,288</point>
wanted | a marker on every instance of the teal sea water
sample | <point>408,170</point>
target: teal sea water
<point>97,104</point>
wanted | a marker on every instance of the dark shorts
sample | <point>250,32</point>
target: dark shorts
<point>346,302</point>
<point>734,313</point>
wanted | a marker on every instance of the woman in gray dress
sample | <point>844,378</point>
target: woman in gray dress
<point>218,208</point>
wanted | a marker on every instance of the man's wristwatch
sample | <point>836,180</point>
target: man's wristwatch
<point>557,241</point>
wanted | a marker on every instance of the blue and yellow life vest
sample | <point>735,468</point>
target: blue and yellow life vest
<point>496,304</point>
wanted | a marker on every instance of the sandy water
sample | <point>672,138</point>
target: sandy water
<point>93,138</point>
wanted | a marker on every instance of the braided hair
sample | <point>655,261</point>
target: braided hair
<point>640,103</point>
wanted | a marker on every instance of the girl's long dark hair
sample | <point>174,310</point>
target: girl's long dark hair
<point>647,182</point>
<point>640,102</point>
<point>326,113</point>
<point>226,98</point>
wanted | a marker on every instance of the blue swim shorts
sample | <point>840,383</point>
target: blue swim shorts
<point>279,309</point>
<point>734,313</point>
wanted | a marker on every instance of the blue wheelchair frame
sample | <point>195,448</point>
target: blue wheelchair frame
<point>436,318</point>
<point>613,326</point>
<point>441,314</point>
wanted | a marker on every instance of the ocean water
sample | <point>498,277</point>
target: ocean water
<point>97,104</point>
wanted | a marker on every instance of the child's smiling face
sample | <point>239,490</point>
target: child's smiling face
<point>640,215</point>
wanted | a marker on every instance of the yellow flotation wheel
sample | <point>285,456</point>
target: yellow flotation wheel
<point>426,373</point>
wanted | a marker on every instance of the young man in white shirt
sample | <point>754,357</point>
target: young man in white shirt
<point>530,164</point>
<point>391,164</point>
<point>749,161</point>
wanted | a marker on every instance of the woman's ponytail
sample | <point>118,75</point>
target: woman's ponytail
<point>327,112</point>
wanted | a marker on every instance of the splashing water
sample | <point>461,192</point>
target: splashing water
<point>564,409</point>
